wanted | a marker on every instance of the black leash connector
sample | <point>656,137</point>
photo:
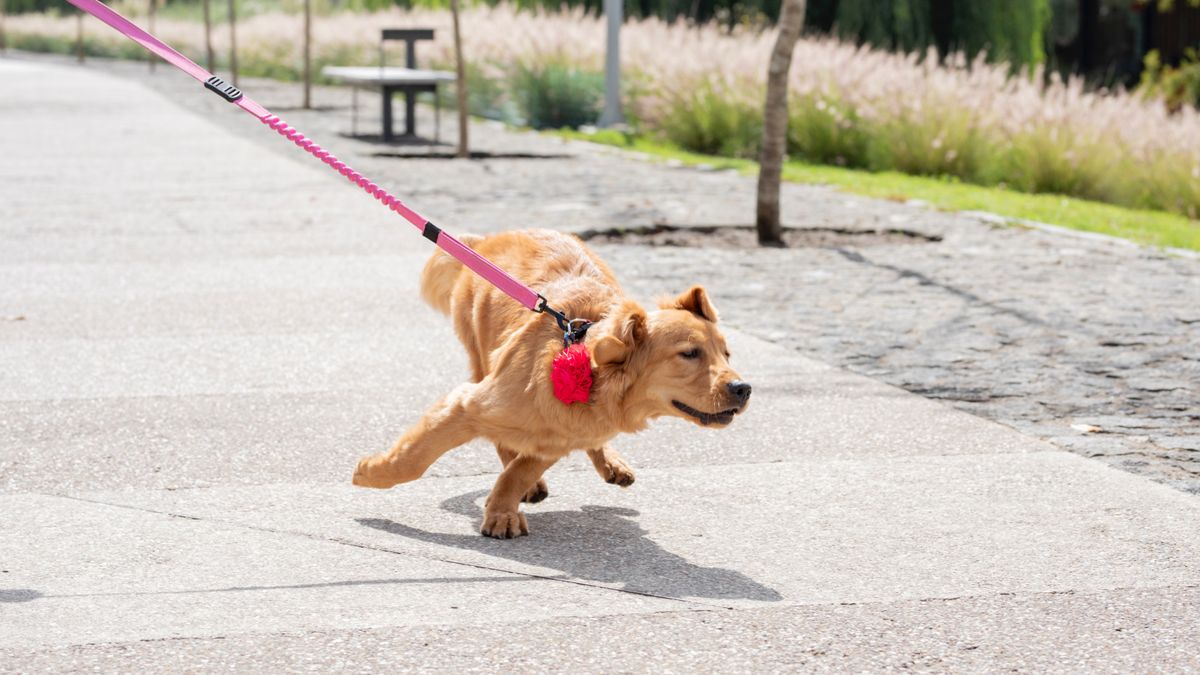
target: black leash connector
<point>574,330</point>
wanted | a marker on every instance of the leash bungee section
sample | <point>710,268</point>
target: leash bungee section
<point>443,240</point>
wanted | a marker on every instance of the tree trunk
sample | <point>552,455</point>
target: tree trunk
<point>307,54</point>
<point>233,64</point>
<point>460,86</point>
<point>209,59</point>
<point>79,36</point>
<point>152,58</point>
<point>775,121</point>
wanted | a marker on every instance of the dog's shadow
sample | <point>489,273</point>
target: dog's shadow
<point>596,543</point>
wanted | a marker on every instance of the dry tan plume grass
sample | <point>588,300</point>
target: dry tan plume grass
<point>897,111</point>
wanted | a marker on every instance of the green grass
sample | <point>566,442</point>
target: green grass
<point>1154,228</point>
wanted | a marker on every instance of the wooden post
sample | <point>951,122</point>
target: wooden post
<point>307,54</point>
<point>233,66</point>
<point>460,85</point>
<point>209,59</point>
<point>152,58</point>
<point>79,36</point>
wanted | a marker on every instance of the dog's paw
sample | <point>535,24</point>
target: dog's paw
<point>504,525</point>
<point>371,472</point>
<point>617,472</point>
<point>537,493</point>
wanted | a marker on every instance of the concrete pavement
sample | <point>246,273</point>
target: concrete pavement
<point>199,338</point>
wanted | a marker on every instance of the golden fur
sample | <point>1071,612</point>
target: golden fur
<point>673,361</point>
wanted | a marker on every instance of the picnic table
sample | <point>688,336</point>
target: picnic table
<point>389,80</point>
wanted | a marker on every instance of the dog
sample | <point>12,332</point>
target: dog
<point>645,365</point>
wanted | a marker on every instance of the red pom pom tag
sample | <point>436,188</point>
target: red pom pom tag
<point>572,374</point>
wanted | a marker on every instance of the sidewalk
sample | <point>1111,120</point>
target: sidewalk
<point>211,334</point>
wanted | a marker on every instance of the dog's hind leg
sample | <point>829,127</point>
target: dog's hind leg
<point>539,491</point>
<point>611,466</point>
<point>502,517</point>
<point>445,426</point>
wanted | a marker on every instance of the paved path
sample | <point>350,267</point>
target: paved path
<point>1091,345</point>
<point>193,378</point>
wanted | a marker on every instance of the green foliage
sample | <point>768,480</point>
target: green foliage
<point>823,132</point>
<point>1147,227</point>
<point>932,140</point>
<point>1177,86</point>
<point>708,120</point>
<point>23,6</point>
<point>557,94</point>
<point>91,46</point>
<point>1004,30</point>
<point>890,24</point>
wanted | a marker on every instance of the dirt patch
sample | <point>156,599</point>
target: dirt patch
<point>743,236</point>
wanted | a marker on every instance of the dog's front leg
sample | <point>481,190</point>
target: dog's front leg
<point>502,517</point>
<point>611,466</point>
<point>447,425</point>
<point>535,494</point>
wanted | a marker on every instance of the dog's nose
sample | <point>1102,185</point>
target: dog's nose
<point>740,390</point>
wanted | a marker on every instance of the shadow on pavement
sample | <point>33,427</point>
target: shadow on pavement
<point>596,543</point>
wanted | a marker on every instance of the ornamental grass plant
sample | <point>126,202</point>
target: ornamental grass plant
<point>702,88</point>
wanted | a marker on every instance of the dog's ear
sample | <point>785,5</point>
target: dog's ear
<point>627,331</point>
<point>695,300</point>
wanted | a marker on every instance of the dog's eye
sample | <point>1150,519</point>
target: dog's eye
<point>693,353</point>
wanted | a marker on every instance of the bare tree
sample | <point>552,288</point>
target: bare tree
<point>775,121</point>
<point>307,54</point>
<point>151,57</point>
<point>460,85</point>
<point>209,60</point>
<point>233,64</point>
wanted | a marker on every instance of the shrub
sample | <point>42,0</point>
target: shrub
<point>714,120</point>
<point>824,130</point>
<point>701,87</point>
<point>1176,86</point>
<point>554,95</point>
<point>930,138</point>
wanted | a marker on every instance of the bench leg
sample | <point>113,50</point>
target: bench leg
<point>410,112</point>
<point>387,115</point>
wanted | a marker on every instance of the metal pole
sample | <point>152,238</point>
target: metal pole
<point>612,66</point>
<point>152,60</point>
<point>233,67</point>
<point>307,54</point>
<point>210,60</point>
<point>79,37</point>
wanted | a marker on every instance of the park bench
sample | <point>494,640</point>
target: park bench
<point>390,80</point>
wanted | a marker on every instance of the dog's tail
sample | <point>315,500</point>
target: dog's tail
<point>441,273</point>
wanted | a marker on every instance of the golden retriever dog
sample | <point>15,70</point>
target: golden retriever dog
<point>673,361</point>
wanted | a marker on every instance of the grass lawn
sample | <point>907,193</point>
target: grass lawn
<point>1155,228</point>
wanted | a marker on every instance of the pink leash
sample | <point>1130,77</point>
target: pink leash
<point>463,253</point>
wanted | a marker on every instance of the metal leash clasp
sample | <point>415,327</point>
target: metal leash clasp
<point>573,330</point>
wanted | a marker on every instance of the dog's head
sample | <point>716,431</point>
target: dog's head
<point>671,362</point>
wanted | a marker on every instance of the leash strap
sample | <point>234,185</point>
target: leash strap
<point>460,251</point>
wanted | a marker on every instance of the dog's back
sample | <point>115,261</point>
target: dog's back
<point>557,265</point>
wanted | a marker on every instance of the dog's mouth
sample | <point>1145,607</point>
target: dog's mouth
<point>723,417</point>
